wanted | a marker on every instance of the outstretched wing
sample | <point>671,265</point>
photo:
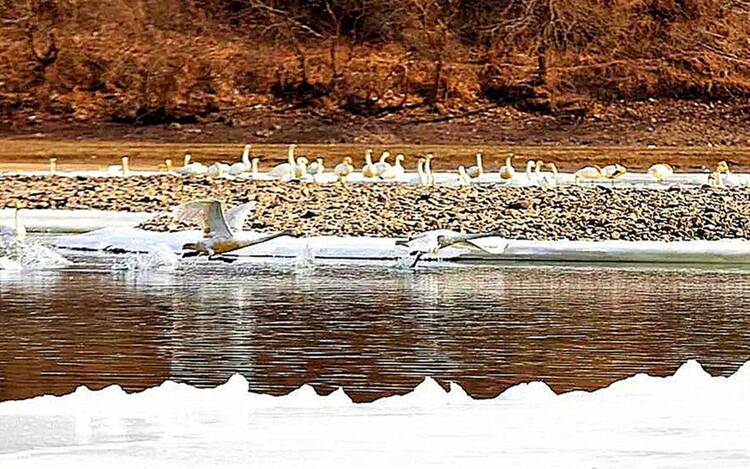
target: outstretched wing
<point>236,217</point>
<point>208,213</point>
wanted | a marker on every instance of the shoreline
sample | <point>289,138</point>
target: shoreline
<point>575,213</point>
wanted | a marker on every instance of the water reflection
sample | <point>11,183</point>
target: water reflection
<point>374,331</point>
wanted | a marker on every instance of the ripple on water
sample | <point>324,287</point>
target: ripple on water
<point>375,331</point>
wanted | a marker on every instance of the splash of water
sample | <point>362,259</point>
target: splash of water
<point>159,259</point>
<point>18,254</point>
<point>304,262</point>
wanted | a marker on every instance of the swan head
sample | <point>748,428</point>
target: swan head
<point>186,159</point>
<point>552,167</point>
<point>619,171</point>
<point>538,167</point>
<point>722,167</point>
<point>302,161</point>
<point>168,165</point>
<point>348,160</point>
<point>399,158</point>
<point>530,165</point>
<point>384,156</point>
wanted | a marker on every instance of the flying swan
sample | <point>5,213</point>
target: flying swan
<point>222,231</point>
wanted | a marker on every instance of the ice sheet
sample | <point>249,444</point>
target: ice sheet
<point>498,249</point>
<point>686,420</point>
<point>72,221</point>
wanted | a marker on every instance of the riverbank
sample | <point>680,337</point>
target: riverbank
<point>397,210</point>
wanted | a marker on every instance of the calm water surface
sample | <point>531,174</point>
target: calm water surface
<point>375,331</point>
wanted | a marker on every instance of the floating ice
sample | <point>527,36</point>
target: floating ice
<point>687,420</point>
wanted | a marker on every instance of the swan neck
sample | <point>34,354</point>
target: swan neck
<point>246,155</point>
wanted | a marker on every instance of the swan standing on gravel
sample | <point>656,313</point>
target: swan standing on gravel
<point>285,170</point>
<point>530,175</point>
<point>507,171</point>
<point>244,166</point>
<point>217,170</point>
<point>120,170</point>
<point>660,172</point>
<point>395,171</point>
<point>546,179</point>
<point>729,179</point>
<point>222,231</point>
<point>368,170</point>
<point>428,169</point>
<point>343,170</point>
<point>191,169</point>
<point>383,167</point>
<point>300,169</point>
<point>589,173</point>
<point>477,170</point>
<point>463,177</point>
<point>613,172</point>
<point>316,168</point>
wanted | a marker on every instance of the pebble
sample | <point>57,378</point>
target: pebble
<point>398,210</point>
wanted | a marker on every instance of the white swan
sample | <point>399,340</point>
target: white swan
<point>546,179</point>
<point>244,166</point>
<point>660,172</point>
<point>343,170</point>
<point>476,170</point>
<point>18,230</point>
<point>300,169</point>
<point>429,175</point>
<point>421,177</point>
<point>222,231</point>
<point>530,173</point>
<point>728,179</point>
<point>383,167</point>
<point>395,171</point>
<point>507,171</point>
<point>613,172</point>
<point>191,169</point>
<point>589,173</point>
<point>316,168</point>
<point>431,242</point>
<point>120,170</point>
<point>285,170</point>
<point>368,170</point>
<point>463,177</point>
<point>217,170</point>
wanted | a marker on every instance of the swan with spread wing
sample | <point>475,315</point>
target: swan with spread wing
<point>222,231</point>
<point>431,242</point>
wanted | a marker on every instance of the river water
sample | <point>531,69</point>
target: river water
<point>376,331</point>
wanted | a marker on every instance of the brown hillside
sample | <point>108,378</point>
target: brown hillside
<point>162,61</point>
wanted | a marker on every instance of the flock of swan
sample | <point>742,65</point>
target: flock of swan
<point>388,167</point>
